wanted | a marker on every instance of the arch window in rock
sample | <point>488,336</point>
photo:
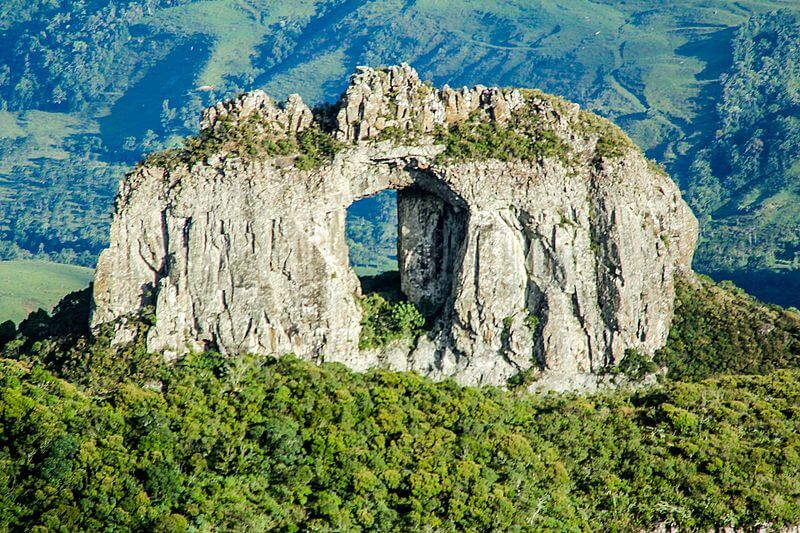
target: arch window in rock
<point>405,244</point>
<point>531,233</point>
<point>371,235</point>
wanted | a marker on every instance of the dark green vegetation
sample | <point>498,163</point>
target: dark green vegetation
<point>386,313</point>
<point>385,321</point>
<point>525,138</point>
<point>62,341</point>
<point>87,88</point>
<point>252,138</point>
<point>526,135</point>
<point>263,443</point>
<point>721,329</point>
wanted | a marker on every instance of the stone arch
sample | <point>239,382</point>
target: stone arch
<point>431,230</point>
<point>249,254</point>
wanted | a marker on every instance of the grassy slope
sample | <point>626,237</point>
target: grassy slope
<point>39,134</point>
<point>237,28</point>
<point>26,286</point>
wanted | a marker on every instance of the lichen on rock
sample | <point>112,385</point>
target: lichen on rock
<point>517,211</point>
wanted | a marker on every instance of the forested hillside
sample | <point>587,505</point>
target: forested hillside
<point>745,180</point>
<point>285,445</point>
<point>86,88</point>
<point>98,438</point>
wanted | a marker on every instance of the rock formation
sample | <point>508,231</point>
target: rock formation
<point>558,259</point>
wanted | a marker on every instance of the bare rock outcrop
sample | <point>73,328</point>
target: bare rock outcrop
<point>557,258</point>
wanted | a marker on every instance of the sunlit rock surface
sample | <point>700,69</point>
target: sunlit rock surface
<point>249,255</point>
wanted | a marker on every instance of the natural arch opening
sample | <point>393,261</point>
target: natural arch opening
<point>406,247</point>
<point>405,244</point>
<point>371,233</point>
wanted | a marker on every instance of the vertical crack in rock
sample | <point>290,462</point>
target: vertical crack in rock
<point>535,303</point>
<point>561,258</point>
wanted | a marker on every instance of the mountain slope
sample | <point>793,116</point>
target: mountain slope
<point>114,80</point>
<point>746,179</point>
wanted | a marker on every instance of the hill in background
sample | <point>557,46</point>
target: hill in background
<point>706,87</point>
<point>26,286</point>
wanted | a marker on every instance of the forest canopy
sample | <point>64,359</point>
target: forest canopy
<point>255,443</point>
<point>100,437</point>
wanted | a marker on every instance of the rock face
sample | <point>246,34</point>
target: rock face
<point>559,263</point>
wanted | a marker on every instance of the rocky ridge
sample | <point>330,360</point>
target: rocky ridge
<point>539,238</point>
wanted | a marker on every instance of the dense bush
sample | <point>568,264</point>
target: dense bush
<point>488,140</point>
<point>718,328</point>
<point>384,321</point>
<point>62,342</point>
<point>254,444</point>
<point>527,136</point>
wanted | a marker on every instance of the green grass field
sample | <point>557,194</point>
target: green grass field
<point>26,286</point>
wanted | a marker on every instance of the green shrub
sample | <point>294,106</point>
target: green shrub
<point>406,317</point>
<point>636,365</point>
<point>315,147</point>
<point>532,321</point>
<point>525,378</point>
<point>528,135</point>
<point>8,331</point>
<point>718,328</point>
<point>383,321</point>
